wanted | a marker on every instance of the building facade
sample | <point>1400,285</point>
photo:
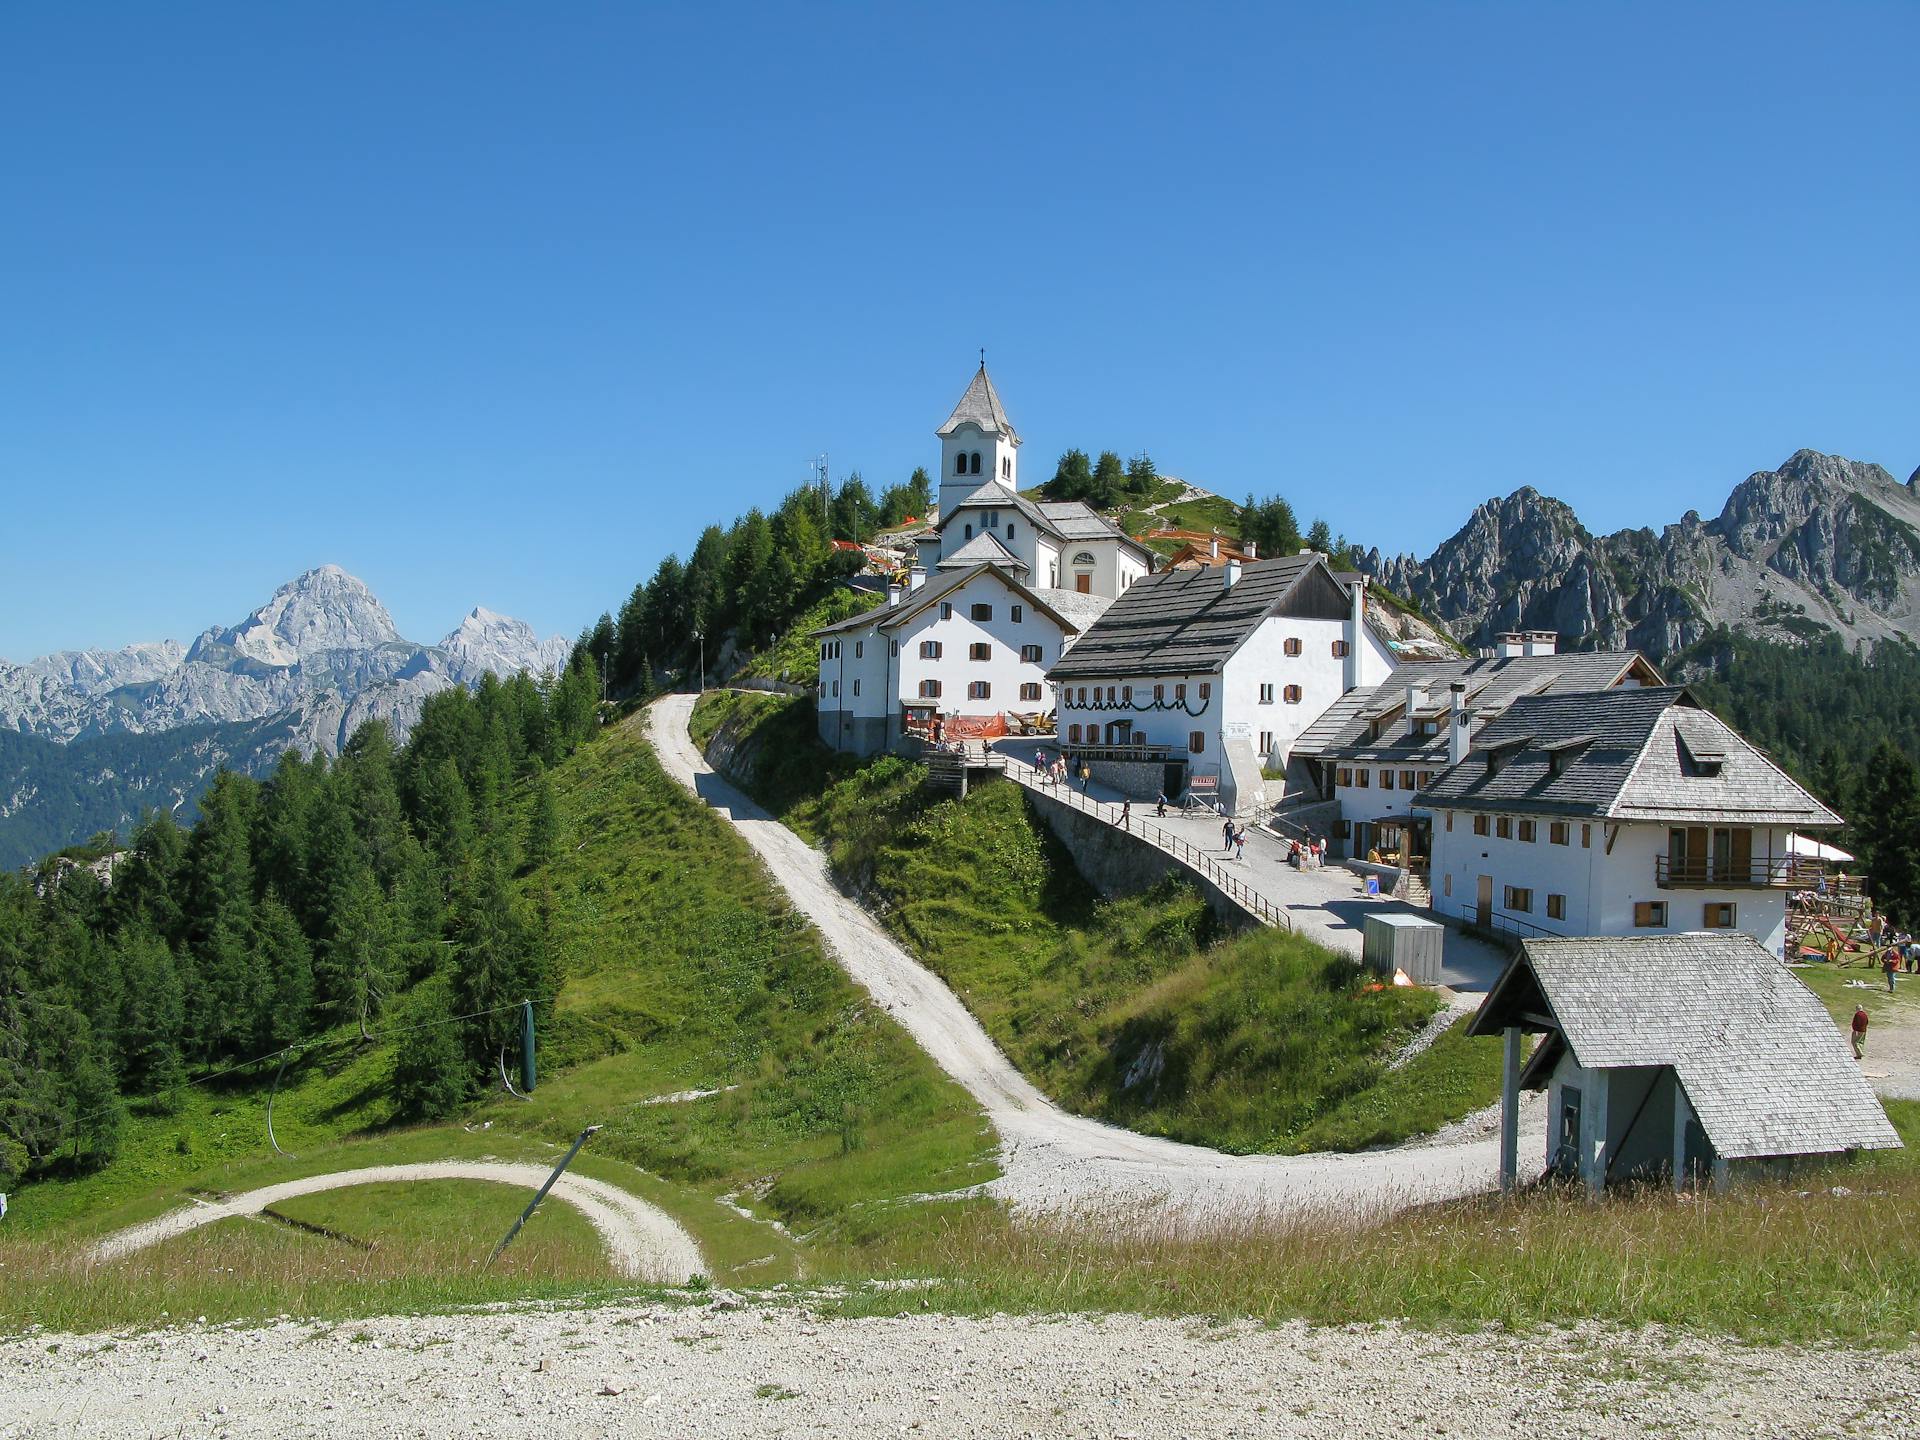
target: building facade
<point>1629,811</point>
<point>967,648</point>
<point>1374,750</point>
<point>1197,680</point>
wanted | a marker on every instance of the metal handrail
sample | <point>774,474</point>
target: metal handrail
<point>1181,849</point>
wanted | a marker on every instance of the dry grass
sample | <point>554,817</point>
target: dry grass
<point>254,1269</point>
<point>1774,1264</point>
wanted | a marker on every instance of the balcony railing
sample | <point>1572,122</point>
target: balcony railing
<point>1670,873</point>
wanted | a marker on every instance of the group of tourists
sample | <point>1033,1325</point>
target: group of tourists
<point>1308,854</point>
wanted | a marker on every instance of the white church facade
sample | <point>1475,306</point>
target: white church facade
<point>1002,587</point>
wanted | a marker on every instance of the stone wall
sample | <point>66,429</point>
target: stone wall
<point>1117,863</point>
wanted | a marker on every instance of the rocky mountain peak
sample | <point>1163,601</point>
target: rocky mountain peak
<point>324,609</point>
<point>1822,543</point>
<point>485,640</point>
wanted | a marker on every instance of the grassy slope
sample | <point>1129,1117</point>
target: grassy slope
<point>1263,1042</point>
<point>686,972</point>
<point>1794,1262</point>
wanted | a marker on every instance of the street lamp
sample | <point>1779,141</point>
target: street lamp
<point>700,635</point>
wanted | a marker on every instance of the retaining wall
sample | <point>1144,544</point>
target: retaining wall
<point>1117,863</point>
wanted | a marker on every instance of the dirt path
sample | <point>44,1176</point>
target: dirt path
<point>645,1371</point>
<point>1051,1160</point>
<point>645,1242</point>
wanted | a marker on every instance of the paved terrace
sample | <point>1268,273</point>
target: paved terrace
<point>1327,905</point>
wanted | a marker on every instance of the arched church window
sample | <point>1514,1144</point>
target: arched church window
<point>976,462</point>
<point>960,464</point>
<point>1006,466</point>
<point>969,534</point>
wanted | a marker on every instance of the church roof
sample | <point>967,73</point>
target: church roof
<point>980,406</point>
<point>913,602</point>
<point>983,549</point>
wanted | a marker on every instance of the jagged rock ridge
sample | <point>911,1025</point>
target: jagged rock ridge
<point>1821,544</point>
<point>323,654</point>
<point>103,734</point>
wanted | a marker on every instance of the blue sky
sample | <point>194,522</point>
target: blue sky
<point>498,304</point>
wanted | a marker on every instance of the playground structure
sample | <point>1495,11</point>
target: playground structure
<point>1831,919</point>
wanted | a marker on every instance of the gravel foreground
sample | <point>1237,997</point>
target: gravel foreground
<point>734,1369</point>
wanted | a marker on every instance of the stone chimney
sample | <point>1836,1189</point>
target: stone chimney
<point>1233,574</point>
<point>916,577</point>
<point>1459,723</point>
<point>1540,642</point>
<point>894,592</point>
<point>1508,644</point>
<point>1356,625</point>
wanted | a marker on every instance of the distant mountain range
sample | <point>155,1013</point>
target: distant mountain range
<point>100,735</point>
<point>1821,545</point>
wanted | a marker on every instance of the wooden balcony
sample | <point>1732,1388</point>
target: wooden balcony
<point>1762,874</point>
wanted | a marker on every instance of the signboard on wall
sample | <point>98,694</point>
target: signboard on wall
<point>1238,730</point>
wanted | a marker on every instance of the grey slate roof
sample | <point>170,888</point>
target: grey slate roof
<point>980,406</point>
<point>942,585</point>
<point>1181,622</point>
<point>1073,520</point>
<point>983,549</point>
<point>1077,608</point>
<point>1341,733</point>
<point>1063,519</point>
<point>1615,754</point>
<point>1763,1064</point>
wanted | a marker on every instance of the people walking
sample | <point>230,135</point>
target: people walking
<point>1126,814</point>
<point>1859,1032</point>
<point>1890,965</point>
<point>1161,808</point>
<point>1226,836</point>
<point>1240,843</point>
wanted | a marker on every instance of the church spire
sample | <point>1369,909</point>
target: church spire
<point>980,406</point>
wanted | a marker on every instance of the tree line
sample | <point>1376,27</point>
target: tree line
<point>375,889</point>
<point>745,583</point>
<point>1846,724</point>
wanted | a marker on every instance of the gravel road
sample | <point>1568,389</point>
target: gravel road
<point>644,1242</point>
<point>1051,1160</point>
<point>719,1371</point>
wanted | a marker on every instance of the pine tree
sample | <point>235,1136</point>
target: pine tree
<point>1109,479</point>
<point>543,822</point>
<point>1891,819</point>
<point>284,1000</point>
<point>357,964</point>
<point>430,1075</point>
<point>153,1013</point>
<point>1320,537</point>
<point>1072,477</point>
<point>1141,475</point>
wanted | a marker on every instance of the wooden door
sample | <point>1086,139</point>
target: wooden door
<point>1483,902</point>
<point>1083,583</point>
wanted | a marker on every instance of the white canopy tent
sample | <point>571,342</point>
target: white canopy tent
<point>1807,846</point>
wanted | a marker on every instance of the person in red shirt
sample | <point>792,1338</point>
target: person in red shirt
<point>1859,1032</point>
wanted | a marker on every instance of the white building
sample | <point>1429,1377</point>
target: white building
<point>1379,746</point>
<point>1627,811</point>
<point>984,520</point>
<point>1688,1058</point>
<point>1196,679</point>
<point>968,647</point>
